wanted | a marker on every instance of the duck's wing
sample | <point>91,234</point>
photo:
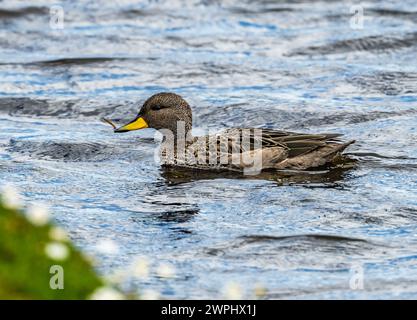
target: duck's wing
<point>297,143</point>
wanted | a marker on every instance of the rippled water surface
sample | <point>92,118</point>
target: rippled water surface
<point>276,64</point>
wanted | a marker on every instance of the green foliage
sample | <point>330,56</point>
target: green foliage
<point>25,267</point>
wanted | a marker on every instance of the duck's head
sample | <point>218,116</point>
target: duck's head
<point>161,111</point>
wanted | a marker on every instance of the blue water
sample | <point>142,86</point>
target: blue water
<point>296,66</point>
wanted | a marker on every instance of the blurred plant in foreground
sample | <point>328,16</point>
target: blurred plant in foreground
<point>33,250</point>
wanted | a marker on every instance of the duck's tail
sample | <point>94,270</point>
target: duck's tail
<point>329,153</point>
<point>339,148</point>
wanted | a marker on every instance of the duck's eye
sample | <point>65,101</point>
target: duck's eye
<point>157,107</point>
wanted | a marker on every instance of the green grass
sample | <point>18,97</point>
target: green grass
<point>25,267</point>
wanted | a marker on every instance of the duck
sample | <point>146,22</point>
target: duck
<point>247,150</point>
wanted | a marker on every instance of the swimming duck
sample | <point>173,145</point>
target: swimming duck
<point>238,149</point>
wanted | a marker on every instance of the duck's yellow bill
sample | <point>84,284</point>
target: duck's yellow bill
<point>138,123</point>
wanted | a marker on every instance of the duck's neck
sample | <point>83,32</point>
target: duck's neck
<point>177,138</point>
<point>174,146</point>
<point>178,134</point>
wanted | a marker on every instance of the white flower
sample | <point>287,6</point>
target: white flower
<point>149,294</point>
<point>57,251</point>
<point>107,246</point>
<point>232,291</point>
<point>140,268</point>
<point>11,197</point>
<point>38,214</point>
<point>165,271</point>
<point>58,234</point>
<point>106,293</point>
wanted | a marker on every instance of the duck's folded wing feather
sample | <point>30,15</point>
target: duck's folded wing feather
<point>297,143</point>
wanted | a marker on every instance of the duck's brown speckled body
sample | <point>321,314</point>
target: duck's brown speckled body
<point>231,148</point>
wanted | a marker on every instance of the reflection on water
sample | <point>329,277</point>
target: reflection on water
<point>323,175</point>
<point>290,65</point>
